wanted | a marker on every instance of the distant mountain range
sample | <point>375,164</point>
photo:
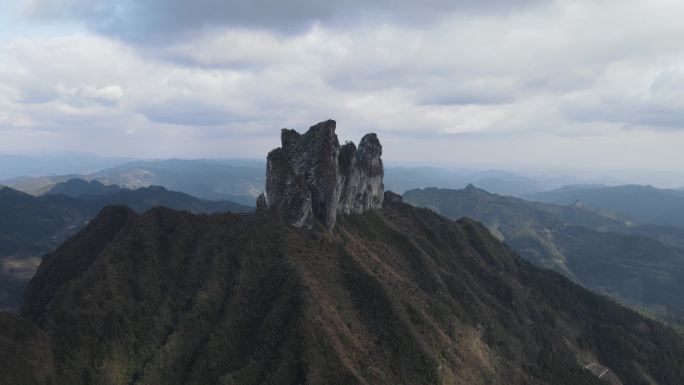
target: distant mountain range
<point>401,179</point>
<point>31,226</point>
<point>78,187</point>
<point>243,180</point>
<point>237,181</point>
<point>98,195</point>
<point>646,203</point>
<point>614,255</point>
<point>14,166</point>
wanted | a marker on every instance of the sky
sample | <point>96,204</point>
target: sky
<point>582,84</point>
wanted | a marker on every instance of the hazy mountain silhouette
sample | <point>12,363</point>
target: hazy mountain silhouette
<point>237,181</point>
<point>646,203</point>
<point>241,182</point>
<point>16,166</point>
<point>78,187</point>
<point>600,250</point>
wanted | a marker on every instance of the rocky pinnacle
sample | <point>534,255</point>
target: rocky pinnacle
<point>311,177</point>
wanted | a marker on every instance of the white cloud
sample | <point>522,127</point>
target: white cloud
<point>564,73</point>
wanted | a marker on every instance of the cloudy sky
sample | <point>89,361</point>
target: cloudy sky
<point>594,84</point>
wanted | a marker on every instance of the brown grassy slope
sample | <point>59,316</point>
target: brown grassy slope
<point>394,296</point>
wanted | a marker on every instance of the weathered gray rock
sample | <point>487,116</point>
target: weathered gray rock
<point>362,175</point>
<point>311,177</point>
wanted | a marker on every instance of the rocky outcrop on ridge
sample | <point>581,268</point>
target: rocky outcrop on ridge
<point>311,177</point>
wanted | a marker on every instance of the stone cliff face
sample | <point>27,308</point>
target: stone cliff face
<point>311,177</point>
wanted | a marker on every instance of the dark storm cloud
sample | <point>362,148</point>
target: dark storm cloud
<point>151,20</point>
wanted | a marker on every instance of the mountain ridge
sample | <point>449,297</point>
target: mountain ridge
<point>32,226</point>
<point>399,295</point>
<point>604,252</point>
<point>649,204</point>
<point>389,294</point>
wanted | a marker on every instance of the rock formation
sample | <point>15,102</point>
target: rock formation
<point>311,177</point>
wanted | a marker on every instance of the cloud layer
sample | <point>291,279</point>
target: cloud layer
<point>580,82</point>
<point>145,20</point>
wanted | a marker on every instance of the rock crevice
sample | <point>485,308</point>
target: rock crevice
<point>311,177</point>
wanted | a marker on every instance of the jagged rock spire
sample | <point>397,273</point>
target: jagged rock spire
<point>311,177</point>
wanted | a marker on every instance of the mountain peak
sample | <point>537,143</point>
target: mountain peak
<point>471,189</point>
<point>8,192</point>
<point>312,177</point>
<point>77,187</point>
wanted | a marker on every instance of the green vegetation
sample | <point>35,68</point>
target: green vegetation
<point>25,353</point>
<point>398,295</point>
<point>32,226</point>
<point>593,248</point>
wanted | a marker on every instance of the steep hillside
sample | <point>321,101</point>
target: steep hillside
<point>31,226</point>
<point>25,353</point>
<point>488,207</point>
<point>392,296</point>
<point>593,248</point>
